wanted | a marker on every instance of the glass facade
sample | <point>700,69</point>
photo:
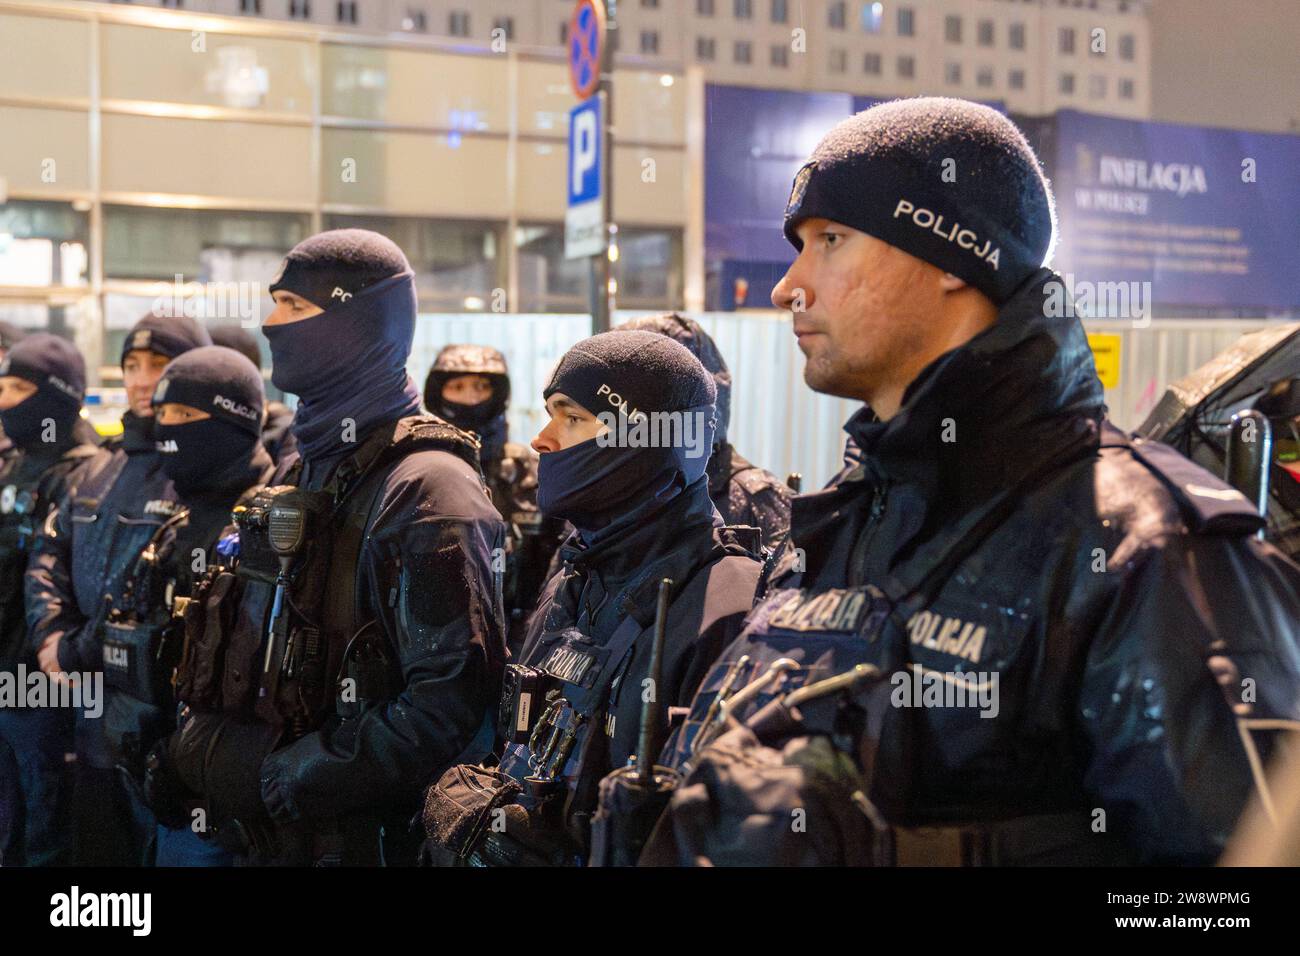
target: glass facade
<point>153,158</point>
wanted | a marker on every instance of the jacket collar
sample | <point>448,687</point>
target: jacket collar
<point>669,542</point>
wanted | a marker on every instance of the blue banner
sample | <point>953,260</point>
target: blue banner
<point>1209,217</point>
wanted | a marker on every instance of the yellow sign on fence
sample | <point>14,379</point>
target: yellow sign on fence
<point>1105,352</point>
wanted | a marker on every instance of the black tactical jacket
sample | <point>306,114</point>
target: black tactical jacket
<point>95,536</point>
<point>31,485</point>
<point>617,578</point>
<point>1115,591</point>
<point>426,586</point>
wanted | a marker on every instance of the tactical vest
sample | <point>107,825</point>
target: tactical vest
<point>282,637</point>
<point>141,641</point>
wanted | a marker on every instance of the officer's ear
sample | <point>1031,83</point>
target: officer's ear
<point>950,283</point>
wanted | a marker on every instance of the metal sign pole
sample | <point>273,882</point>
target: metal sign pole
<point>601,297</point>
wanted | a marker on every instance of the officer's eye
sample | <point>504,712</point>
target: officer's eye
<point>830,238</point>
<point>573,419</point>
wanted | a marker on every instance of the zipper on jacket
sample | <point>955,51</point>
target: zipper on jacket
<point>867,535</point>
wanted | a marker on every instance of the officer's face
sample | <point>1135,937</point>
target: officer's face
<point>570,424</point>
<point>468,389</point>
<point>290,308</point>
<point>14,390</point>
<point>174,413</point>
<point>863,313</point>
<point>140,374</point>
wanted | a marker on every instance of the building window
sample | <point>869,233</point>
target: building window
<point>1016,36</point>
<point>1126,89</point>
<point>906,22</point>
<point>952,74</point>
<point>871,15</point>
<point>780,55</point>
<point>704,8</point>
<point>743,52</point>
<point>780,11</point>
<point>650,4</point>
<point>705,48</point>
<point>506,25</point>
<point>984,76</point>
<point>836,16</point>
<point>985,33</point>
<point>1066,39</point>
<point>906,67</point>
<point>564,34</point>
<point>1097,87</point>
<point>458,23</point>
<point>871,64</point>
<point>743,9</point>
<point>952,29</point>
<point>347,11</point>
<point>1127,46</point>
<point>839,61</point>
<point>299,9</point>
<point>251,6</point>
<point>416,21</point>
<point>178,4</point>
<point>650,42</point>
<point>1067,84</point>
<point>1016,79</point>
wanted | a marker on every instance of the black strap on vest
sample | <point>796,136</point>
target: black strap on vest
<point>361,478</point>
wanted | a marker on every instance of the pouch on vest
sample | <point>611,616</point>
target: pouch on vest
<point>207,621</point>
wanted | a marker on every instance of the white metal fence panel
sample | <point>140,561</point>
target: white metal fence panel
<point>776,420</point>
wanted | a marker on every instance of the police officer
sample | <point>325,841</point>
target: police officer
<point>10,335</point>
<point>208,410</point>
<point>42,383</point>
<point>1120,637</point>
<point>97,533</point>
<point>469,386</point>
<point>365,636</point>
<point>743,493</point>
<point>642,513</point>
<point>276,436</point>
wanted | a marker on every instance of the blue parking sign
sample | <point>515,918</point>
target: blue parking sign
<point>584,222</point>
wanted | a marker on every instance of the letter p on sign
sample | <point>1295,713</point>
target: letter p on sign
<point>584,140</point>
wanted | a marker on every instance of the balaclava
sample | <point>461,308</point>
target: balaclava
<point>349,362</point>
<point>213,453</point>
<point>628,380</point>
<point>949,181</point>
<point>56,368</point>
<point>487,419</point>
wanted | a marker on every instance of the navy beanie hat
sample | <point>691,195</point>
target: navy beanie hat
<point>632,371</point>
<point>234,337</point>
<point>217,380</point>
<point>167,335</point>
<point>331,267</point>
<point>946,180</point>
<point>51,363</point>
